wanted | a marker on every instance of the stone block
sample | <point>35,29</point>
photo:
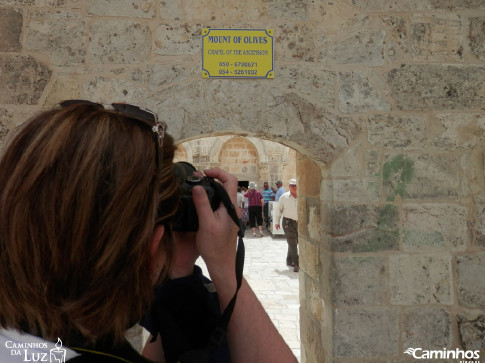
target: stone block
<point>363,47</point>
<point>434,227</point>
<point>398,131</point>
<point>60,35</point>
<point>420,279</point>
<point>63,88</point>
<point>311,340</point>
<point>457,4</point>
<point>477,37</point>
<point>309,257</point>
<point>358,93</point>
<point>359,281</point>
<point>121,90</point>
<point>177,39</point>
<point>354,190</point>
<point>5,125</point>
<point>309,177</point>
<point>426,327</point>
<point>11,29</point>
<point>479,224</point>
<point>365,332</point>
<point>119,42</point>
<point>349,164</point>
<point>471,282</point>
<point>23,79</point>
<point>312,82</point>
<point>391,5</point>
<point>472,332</point>
<point>421,176</point>
<point>123,8</point>
<point>437,38</point>
<point>437,87</point>
<point>160,75</point>
<point>364,228</point>
<point>294,42</point>
<point>460,131</point>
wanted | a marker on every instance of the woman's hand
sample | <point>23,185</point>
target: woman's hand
<point>217,235</point>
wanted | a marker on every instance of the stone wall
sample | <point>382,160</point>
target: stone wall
<point>384,101</point>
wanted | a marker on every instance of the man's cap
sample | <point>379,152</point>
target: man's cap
<point>279,182</point>
<point>252,185</point>
<point>292,182</point>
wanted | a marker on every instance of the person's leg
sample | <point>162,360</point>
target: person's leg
<point>259,219</point>
<point>266,217</point>
<point>290,228</point>
<point>252,220</point>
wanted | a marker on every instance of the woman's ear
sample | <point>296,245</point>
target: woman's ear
<point>156,256</point>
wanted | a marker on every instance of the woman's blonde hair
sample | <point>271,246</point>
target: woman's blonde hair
<point>79,200</point>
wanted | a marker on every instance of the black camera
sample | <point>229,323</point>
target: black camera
<point>185,219</point>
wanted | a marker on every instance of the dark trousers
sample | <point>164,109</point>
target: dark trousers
<point>266,216</point>
<point>290,227</point>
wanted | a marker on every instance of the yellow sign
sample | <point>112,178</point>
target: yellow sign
<point>237,53</point>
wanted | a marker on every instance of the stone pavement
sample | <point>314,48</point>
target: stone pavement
<point>275,284</point>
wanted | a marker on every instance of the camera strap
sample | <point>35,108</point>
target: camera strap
<point>218,335</point>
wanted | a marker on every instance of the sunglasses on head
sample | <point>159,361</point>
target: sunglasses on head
<point>136,114</point>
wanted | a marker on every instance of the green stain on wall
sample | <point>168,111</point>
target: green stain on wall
<point>398,173</point>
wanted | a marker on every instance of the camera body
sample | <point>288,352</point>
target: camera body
<point>186,219</point>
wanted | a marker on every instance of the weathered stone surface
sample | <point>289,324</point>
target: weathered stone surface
<point>426,327</point>
<point>349,164</point>
<point>364,228</point>
<point>61,35</point>
<point>119,41</point>
<point>311,339</point>
<point>62,89</point>
<point>309,253</point>
<point>391,5</point>
<point>421,176</point>
<point>420,279</point>
<point>359,94</point>
<point>294,42</point>
<point>437,37</point>
<point>434,226</point>
<point>460,131</point>
<point>5,122</point>
<point>472,332</point>
<point>125,8</point>
<point>362,332</point>
<point>11,28</point>
<point>476,37</point>
<point>359,281</point>
<point>296,10</point>
<point>160,75</point>
<point>365,47</point>
<point>350,190</point>
<point>177,39</point>
<point>23,79</point>
<point>121,90</point>
<point>397,132</point>
<point>398,46</point>
<point>312,82</point>
<point>183,109</point>
<point>479,225</point>
<point>471,290</point>
<point>457,4</point>
<point>437,87</point>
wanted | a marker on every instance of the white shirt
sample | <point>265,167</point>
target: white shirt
<point>287,207</point>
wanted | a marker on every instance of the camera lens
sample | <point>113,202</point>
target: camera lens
<point>192,179</point>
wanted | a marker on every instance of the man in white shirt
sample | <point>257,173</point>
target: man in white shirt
<point>287,207</point>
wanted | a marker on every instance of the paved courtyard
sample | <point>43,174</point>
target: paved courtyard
<point>275,284</point>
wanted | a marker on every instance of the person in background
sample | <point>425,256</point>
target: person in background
<point>268,196</point>
<point>245,210</point>
<point>255,207</point>
<point>280,190</point>
<point>288,208</point>
<point>86,203</point>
